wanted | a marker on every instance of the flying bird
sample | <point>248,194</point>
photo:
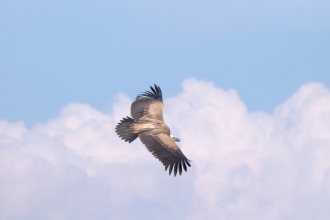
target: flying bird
<point>147,123</point>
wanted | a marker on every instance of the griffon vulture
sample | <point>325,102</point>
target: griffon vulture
<point>147,123</point>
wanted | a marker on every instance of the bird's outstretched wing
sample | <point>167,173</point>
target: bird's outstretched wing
<point>148,104</point>
<point>166,151</point>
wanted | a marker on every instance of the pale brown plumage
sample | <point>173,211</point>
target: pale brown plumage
<point>147,123</point>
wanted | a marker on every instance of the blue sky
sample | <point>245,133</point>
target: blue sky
<point>246,89</point>
<point>54,53</point>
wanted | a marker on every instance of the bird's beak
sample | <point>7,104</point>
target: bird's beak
<point>175,139</point>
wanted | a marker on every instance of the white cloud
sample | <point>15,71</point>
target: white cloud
<point>246,165</point>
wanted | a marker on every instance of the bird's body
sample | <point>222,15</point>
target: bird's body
<point>150,127</point>
<point>147,123</point>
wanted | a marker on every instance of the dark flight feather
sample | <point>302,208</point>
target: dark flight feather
<point>170,158</point>
<point>123,130</point>
<point>155,94</point>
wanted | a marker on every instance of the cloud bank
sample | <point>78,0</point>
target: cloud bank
<point>246,165</point>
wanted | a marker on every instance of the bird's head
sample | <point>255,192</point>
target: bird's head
<point>174,138</point>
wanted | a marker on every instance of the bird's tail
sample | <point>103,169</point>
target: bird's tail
<point>123,130</point>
